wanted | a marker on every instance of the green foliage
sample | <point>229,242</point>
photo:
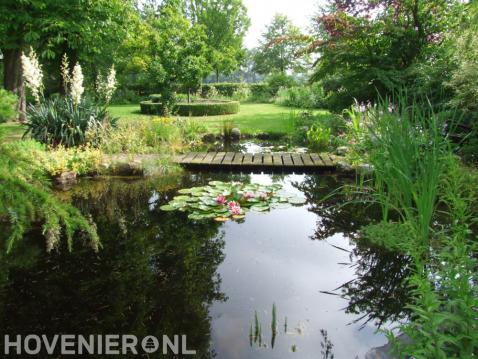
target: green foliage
<point>226,23</point>
<point>224,201</point>
<point>414,172</point>
<point>227,89</point>
<point>8,103</point>
<point>318,138</point>
<point>279,47</point>
<point>278,80</point>
<point>26,201</point>
<point>156,135</point>
<point>201,108</point>
<point>305,96</point>
<point>185,64</point>
<point>58,121</point>
<point>375,47</point>
<point>260,93</point>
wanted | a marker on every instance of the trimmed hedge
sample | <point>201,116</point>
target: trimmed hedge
<point>194,109</point>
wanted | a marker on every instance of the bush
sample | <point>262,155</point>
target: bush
<point>8,103</point>
<point>318,138</point>
<point>194,109</point>
<point>226,89</point>
<point>160,135</point>
<point>260,93</point>
<point>277,81</point>
<point>26,201</point>
<point>311,96</point>
<point>58,122</point>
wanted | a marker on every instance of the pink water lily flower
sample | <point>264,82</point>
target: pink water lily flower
<point>234,208</point>
<point>249,194</point>
<point>220,200</point>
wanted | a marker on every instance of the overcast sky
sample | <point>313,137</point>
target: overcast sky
<point>261,13</point>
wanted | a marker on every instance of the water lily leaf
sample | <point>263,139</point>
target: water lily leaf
<point>181,198</point>
<point>238,216</point>
<point>221,219</point>
<point>167,208</point>
<point>185,191</point>
<point>281,205</point>
<point>216,183</point>
<point>260,208</point>
<point>297,200</point>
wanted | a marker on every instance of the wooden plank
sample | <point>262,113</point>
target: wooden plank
<point>325,157</point>
<point>247,159</point>
<point>287,159</point>
<point>179,158</point>
<point>297,160</point>
<point>228,158</point>
<point>267,160</point>
<point>277,158</point>
<point>238,157</point>
<point>189,157</point>
<point>307,160</point>
<point>198,159</point>
<point>218,158</point>
<point>257,160</point>
<point>208,159</point>
<point>317,160</point>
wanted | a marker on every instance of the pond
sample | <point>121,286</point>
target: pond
<point>161,273</point>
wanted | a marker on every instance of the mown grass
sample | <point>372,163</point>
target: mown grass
<point>252,119</point>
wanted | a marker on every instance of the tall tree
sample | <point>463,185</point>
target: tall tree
<point>82,28</point>
<point>279,47</point>
<point>226,23</point>
<point>176,52</point>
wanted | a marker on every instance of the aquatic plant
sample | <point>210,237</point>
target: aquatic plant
<point>223,201</point>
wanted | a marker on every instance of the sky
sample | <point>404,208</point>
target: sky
<point>261,13</point>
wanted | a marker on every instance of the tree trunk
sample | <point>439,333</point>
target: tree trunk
<point>12,78</point>
<point>217,75</point>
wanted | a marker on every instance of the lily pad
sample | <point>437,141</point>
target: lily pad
<point>167,208</point>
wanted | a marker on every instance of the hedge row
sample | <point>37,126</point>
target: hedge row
<point>193,109</point>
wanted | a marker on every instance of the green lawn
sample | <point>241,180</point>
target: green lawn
<point>253,118</point>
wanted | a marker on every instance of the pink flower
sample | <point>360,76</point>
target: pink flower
<point>234,208</point>
<point>220,200</point>
<point>249,194</point>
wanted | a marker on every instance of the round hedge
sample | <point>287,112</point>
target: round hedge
<point>209,108</point>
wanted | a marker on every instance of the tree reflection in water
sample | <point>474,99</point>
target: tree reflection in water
<point>155,274</point>
<point>378,291</point>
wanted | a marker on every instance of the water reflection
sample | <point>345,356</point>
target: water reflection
<point>378,291</point>
<point>154,275</point>
<point>160,273</point>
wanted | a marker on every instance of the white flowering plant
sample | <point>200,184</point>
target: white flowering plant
<point>72,120</point>
<point>33,74</point>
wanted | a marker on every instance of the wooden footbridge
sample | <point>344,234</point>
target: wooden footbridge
<point>255,161</point>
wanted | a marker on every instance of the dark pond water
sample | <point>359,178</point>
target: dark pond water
<point>160,273</point>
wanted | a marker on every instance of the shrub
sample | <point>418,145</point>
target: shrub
<point>25,200</point>
<point>242,94</point>
<point>277,81</point>
<point>226,89</point>
<point>260,93</point>
<point>8,103</point>
<point>318,138</point>
<point>194,109</point>
<point>59,122</point>
<point>311,96</point>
